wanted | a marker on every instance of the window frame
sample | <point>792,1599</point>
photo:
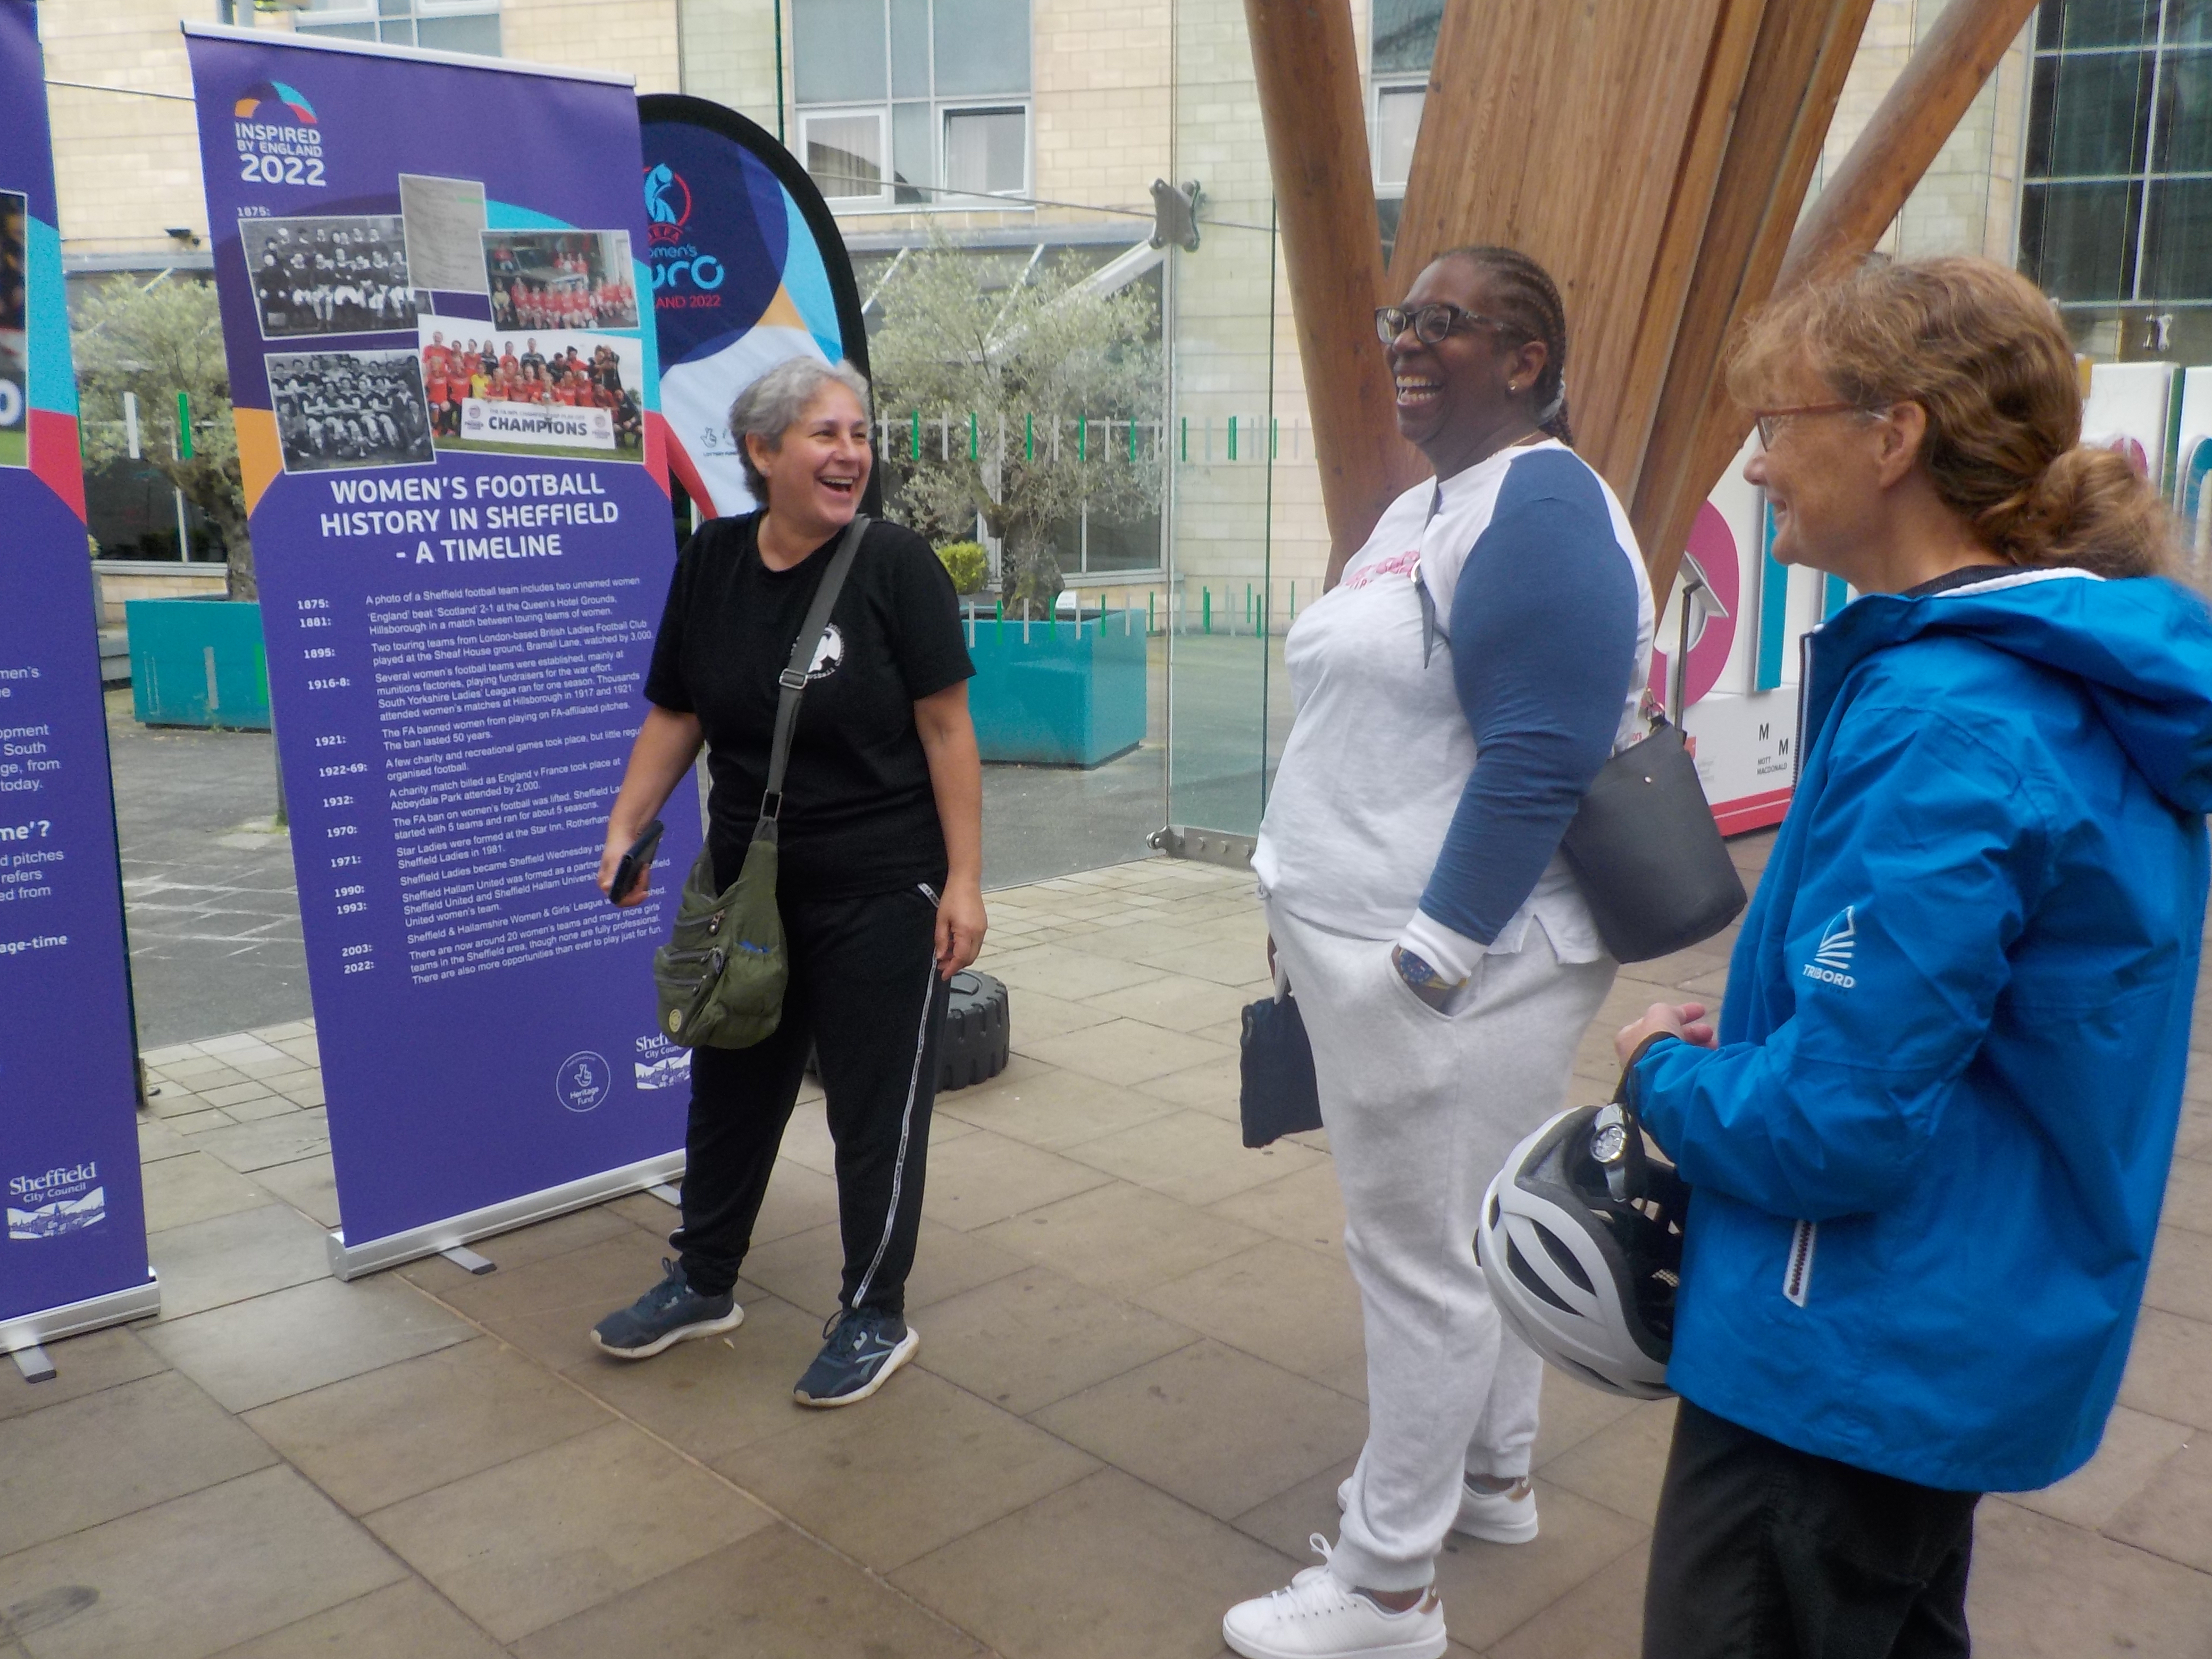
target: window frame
<point>1379,90</point>
<point>945,193</point>
<point>935,190</point>
<point>880,113</point>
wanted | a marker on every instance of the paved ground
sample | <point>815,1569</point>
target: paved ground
<point>1139,1382</point>
<point>213,913</point>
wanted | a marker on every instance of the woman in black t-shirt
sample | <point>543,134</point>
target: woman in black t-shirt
<point>880,886</point>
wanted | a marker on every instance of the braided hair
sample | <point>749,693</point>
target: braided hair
<point>1528,298</point>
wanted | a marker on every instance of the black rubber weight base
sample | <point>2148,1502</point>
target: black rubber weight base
<point>978,1034</point>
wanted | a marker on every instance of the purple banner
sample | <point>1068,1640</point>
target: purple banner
<point>74,1250</point>
<point>447,414</point>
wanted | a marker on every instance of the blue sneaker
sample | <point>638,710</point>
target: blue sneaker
<point>670,1312</point>
<point>866,1345</point>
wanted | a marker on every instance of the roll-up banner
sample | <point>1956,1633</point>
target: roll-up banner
<point>447,422</point>
<point>748,270</point>
<point>75,1253</point>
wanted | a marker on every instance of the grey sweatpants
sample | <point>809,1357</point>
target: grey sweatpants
<point>1421,1109</point>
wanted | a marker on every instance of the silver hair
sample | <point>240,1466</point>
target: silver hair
<point>777,402</point>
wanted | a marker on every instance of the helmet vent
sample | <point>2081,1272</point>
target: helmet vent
<point>1560,1253</point>
<point>1518,1266</point>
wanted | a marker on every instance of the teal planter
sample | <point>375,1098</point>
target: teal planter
<point>1072,694</point>
<point>197,662</point>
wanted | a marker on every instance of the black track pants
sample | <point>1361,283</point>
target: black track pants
<point>1763,1552</point>
<point>865,991</point>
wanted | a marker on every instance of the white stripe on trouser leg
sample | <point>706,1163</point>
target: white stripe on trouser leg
<point>906,1117</point>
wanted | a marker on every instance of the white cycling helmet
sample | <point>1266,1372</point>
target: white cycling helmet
<point>1580,1239</point>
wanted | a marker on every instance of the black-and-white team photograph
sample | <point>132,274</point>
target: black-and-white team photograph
<point>350,409</point>
<point>328,275</point>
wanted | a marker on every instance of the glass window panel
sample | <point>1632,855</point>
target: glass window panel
<point>1397,122</point>
<point>2185,113</point>
<point>340,31</point>
<point>2077,241</point>
<point>910,48</point>
<point>2042,100</point>
<point>845,155</point>
<point>837,50</point>
<point>319,10</point>
<point>2178,241</point>
<point>2189,22</point>
<point>478,34</point>
<point>986,151</point>
<point>1405,34</point>
<point>397,31</point>
<point>395,8</point>
<point>982,46</point>
<point>2106,23</point>
<point>910,158</point>
<point>1123,545</point>
<point>2097,125</point>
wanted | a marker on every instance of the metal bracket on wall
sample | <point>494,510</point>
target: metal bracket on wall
<point>1207,846</point>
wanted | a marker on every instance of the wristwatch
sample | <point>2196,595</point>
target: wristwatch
<point>1423,980</point>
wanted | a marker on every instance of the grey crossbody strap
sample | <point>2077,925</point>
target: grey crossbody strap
<point>793,678</point>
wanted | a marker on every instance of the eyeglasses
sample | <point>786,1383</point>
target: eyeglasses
<point>1432,322</point>
<point>1769,421</point>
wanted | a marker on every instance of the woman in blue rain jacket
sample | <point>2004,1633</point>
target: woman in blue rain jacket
<point>1929,1140</point>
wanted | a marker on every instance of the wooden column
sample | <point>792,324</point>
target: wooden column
<point>1857,205</point>
<point>1798,65</point>
<point>1590,136</point>
<point>1315,111</point>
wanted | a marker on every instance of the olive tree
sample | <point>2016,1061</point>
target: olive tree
<point>155,340</point>
<point>1021,401</point>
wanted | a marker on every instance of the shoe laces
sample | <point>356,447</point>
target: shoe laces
<point>673,1285</point>
<point>1319,1590</point>
<point>861,1322</point>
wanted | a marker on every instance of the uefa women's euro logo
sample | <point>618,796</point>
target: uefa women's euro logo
<point>667,204</point>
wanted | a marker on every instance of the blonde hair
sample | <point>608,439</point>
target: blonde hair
<point>1983,352</point>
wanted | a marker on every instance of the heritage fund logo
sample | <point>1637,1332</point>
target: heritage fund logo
<point>584,1081</point>
<point>279,140</point>
<point>66,1200</point>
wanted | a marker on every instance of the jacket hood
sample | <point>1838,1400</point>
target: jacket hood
<point>2142,649</point>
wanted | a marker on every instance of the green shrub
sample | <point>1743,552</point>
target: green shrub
<point>968,565</point>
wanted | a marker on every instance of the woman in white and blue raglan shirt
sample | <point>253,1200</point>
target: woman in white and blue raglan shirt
<point>1482,656</point>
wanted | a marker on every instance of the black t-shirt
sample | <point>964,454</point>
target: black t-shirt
<point>859,815</point>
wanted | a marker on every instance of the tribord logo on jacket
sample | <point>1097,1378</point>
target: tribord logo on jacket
<point>1832,958</point>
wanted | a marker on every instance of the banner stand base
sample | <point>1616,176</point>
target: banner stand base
<point>25,1335</point>
<point>352,1261</point>
<point>35,1364</point>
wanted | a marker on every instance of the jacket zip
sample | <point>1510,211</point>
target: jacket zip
<point>1797,1275</point>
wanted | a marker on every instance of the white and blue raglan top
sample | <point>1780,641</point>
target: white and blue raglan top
<point>1423,801</point>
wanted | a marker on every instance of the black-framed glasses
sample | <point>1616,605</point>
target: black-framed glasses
<point>1430,322</point>
<point>1769,422</point>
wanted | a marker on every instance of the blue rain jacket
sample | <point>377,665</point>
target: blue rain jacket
<point>1929,1153</point>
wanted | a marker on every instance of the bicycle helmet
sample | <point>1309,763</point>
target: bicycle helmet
<point>1581,1239</point>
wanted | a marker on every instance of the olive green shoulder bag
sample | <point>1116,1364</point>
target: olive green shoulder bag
<point>721,974</point>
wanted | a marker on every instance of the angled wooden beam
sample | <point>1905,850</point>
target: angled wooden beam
<point>1798,66</point>
<point>1590,136</point>
<point>1315,113</point>
<point>1922,109</point>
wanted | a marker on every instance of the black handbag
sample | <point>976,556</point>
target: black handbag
<point>1648,855</point>
<point>1278,1095</point>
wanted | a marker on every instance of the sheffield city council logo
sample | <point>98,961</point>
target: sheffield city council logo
<point>279,140</point>
<point>65,1200</point>
<point>584,1081</point>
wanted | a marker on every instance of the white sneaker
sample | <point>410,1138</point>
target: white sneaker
<point>1320,1616</point>
<point>1496,1517</point>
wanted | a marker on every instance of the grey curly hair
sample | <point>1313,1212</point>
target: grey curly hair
<point>777,402</point>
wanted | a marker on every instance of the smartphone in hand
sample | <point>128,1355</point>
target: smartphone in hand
<point>635,862</point>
